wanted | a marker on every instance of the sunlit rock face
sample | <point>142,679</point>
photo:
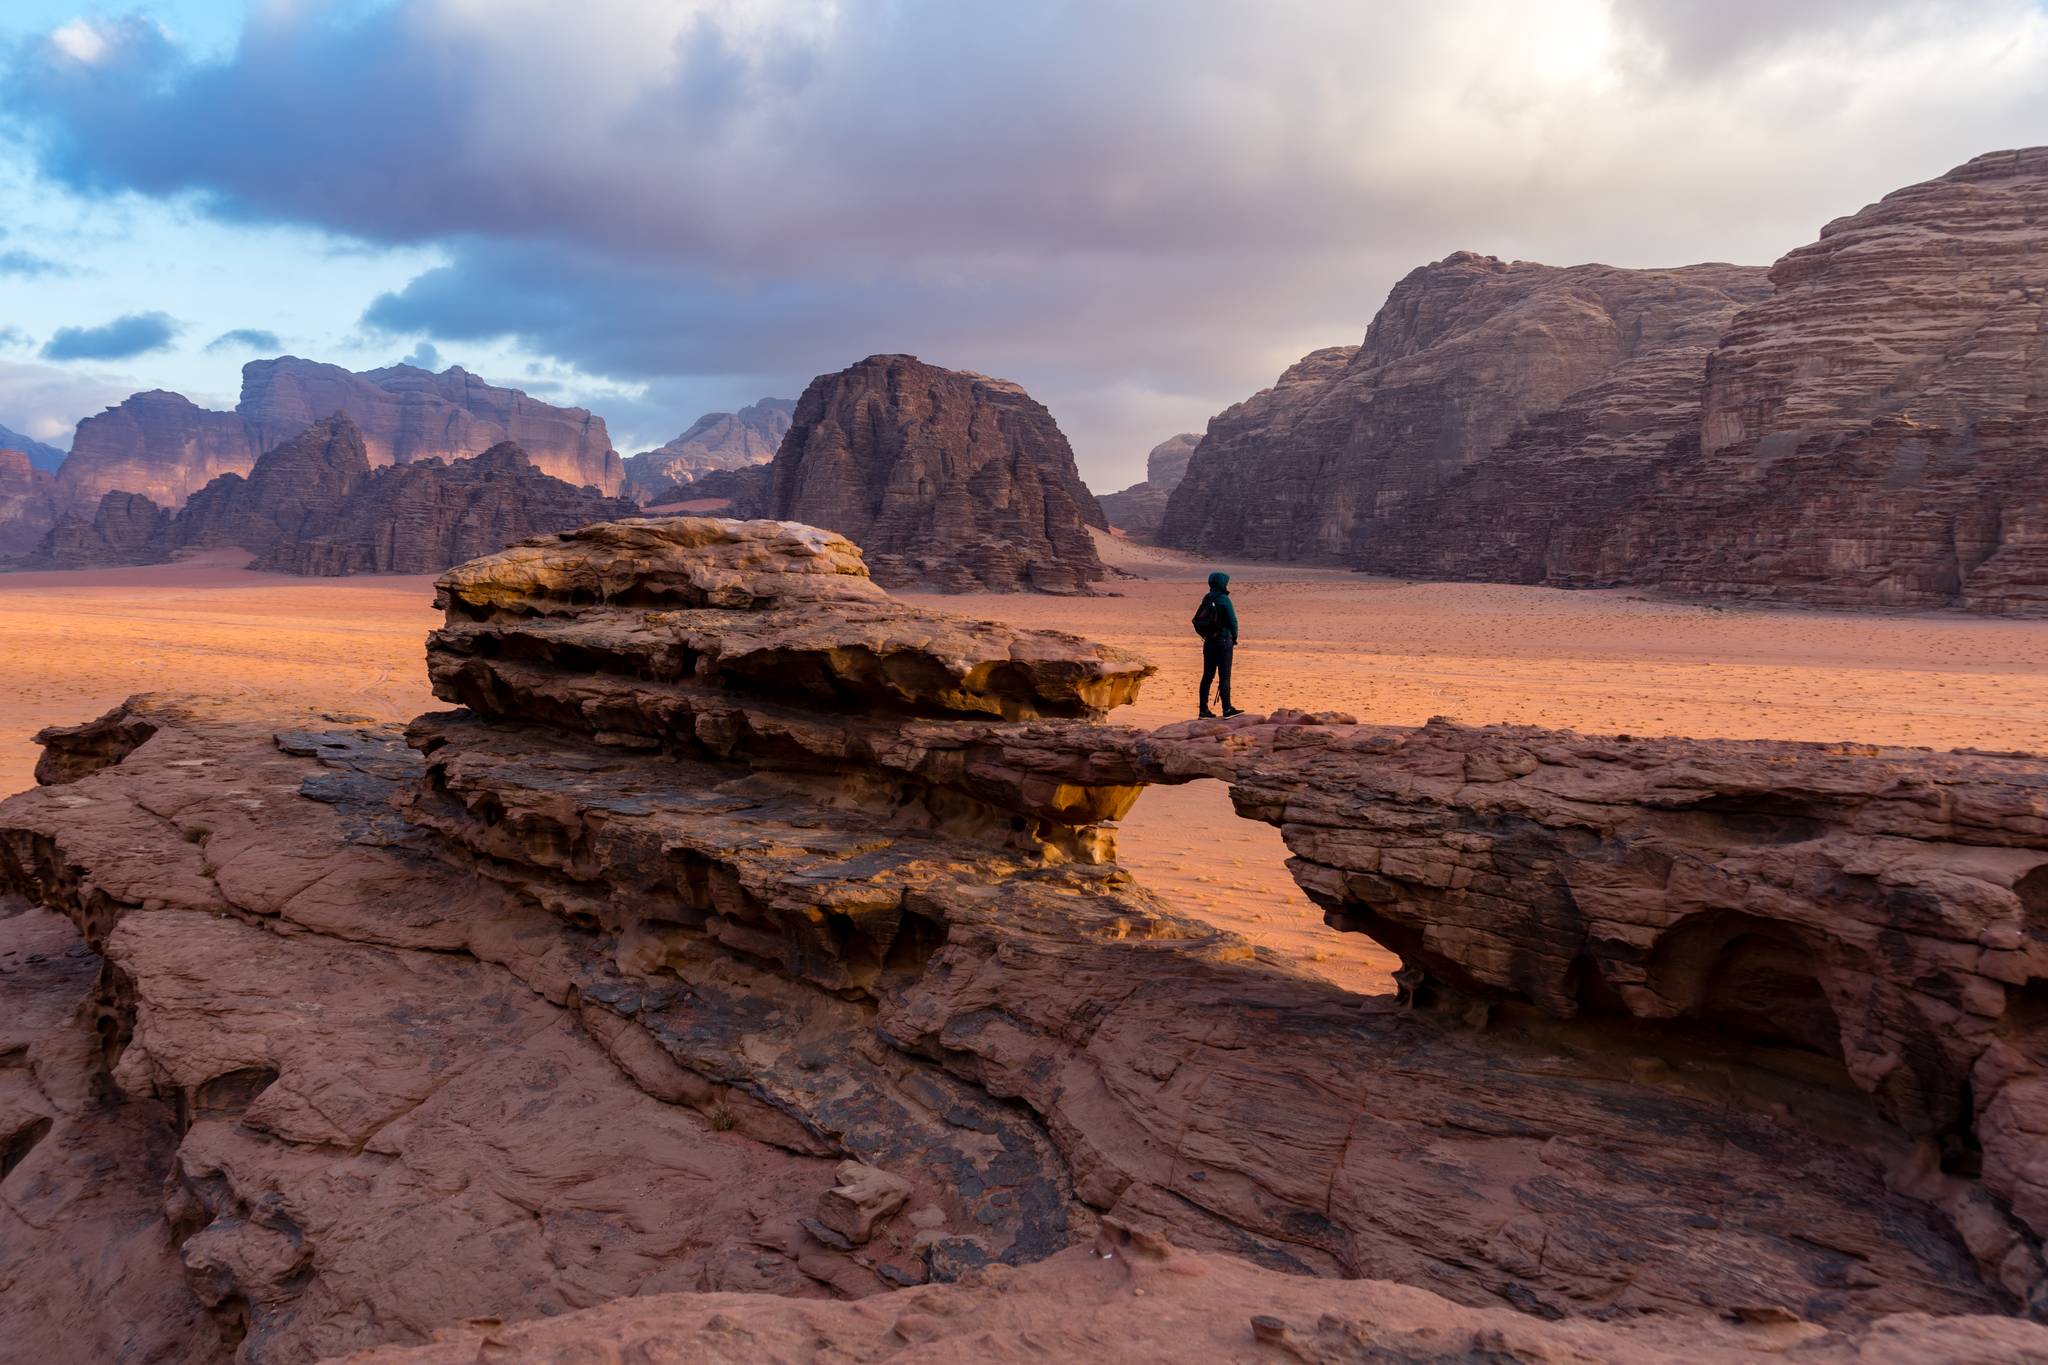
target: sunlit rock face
<point>29,505</point>
<point>943,477</point>
<point>745,929</point>
<point>166,448</point>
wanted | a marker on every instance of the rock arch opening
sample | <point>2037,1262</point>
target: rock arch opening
<point>1188,846</point>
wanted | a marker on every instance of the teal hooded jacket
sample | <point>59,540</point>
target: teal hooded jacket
<point>1219,593</point>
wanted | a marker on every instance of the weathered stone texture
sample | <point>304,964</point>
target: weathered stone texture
<point>1463,352</point>
<point>731,871</point>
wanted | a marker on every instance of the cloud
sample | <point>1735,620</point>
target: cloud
<point>44,402</point>
<point>425,356</point>
<point>126,337</point>
<point>256,339</point>
<point>1093,200</point>
<point>14,339</point>
<point>28,265</point>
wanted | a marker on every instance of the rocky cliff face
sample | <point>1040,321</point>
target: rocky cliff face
<point>313,505</point>
<point>407,414</point>
<point>289,486</point>
<point>165,447</point>
<point>425,516</point>
<point>126,528</point>
<point>1138,510</point>
<point>159,444</point>
<point>1872,435</point>
<point>941,476</point>
<point>1463,352</point>
<point>1866,435</point>
<point>715,441</point>
<point>746,930</point>
<point>29,504</point>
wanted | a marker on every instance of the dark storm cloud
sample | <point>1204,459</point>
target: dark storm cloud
<point>1101,200</point>
<point>425,356</point>
<point>247,339</point>
<point>130,335</point>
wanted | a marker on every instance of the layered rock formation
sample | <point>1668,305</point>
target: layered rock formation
<point>1872,435</point>
<point>315,506</point>
<point>1463,352</point>
<point>715,441</point>
<point>28,502</point>
<point>1134,1296</point>
<point>408,414</point>
<point>731,871</point>
<point>290,486</point>
<point>163,446</point>
<point>424,516</point>
<point>1866,435</point>
<point>943,477</point>
<point>158,444</point>
<point>1138,510</point>
<point>126,528</point>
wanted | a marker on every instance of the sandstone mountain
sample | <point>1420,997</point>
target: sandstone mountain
<point>28,502</point>
<point>314,505</point>
<point>715,441</point>
<point>40,456</point>
<point>1138,510</point>
<point>1464,352</point>
<point>159,444</point>
<point>748,936</point>
<point>943,477</point>
<point>1863,429</point>
<point>163,446</point>
<point>427,515</point>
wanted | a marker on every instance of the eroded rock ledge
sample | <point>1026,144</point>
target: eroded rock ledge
<point>730,872</point>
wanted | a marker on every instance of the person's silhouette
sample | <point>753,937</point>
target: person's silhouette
<point>1216,623</point>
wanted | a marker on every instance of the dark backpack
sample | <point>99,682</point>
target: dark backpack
<point>1207,618</point>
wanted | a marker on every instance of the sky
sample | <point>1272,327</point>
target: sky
<point>1143,212</point>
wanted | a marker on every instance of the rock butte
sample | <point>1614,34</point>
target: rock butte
<point>943,477</point>
<point>748,937</point>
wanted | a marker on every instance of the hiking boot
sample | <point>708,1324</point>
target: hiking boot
<point>1230,711</point>
<point>1205,714</point>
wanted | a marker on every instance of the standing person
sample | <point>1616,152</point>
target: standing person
<point>1216,623</point>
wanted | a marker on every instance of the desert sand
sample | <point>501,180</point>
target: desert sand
<point>73,644</point>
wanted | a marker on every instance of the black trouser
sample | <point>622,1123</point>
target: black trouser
<point>1216,652</point>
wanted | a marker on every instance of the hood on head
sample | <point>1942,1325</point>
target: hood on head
<point>1219,582</point>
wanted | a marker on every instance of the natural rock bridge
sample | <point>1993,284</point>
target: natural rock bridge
<point>730,870</point>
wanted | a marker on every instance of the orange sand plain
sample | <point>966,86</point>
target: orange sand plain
<point>73,644</point>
